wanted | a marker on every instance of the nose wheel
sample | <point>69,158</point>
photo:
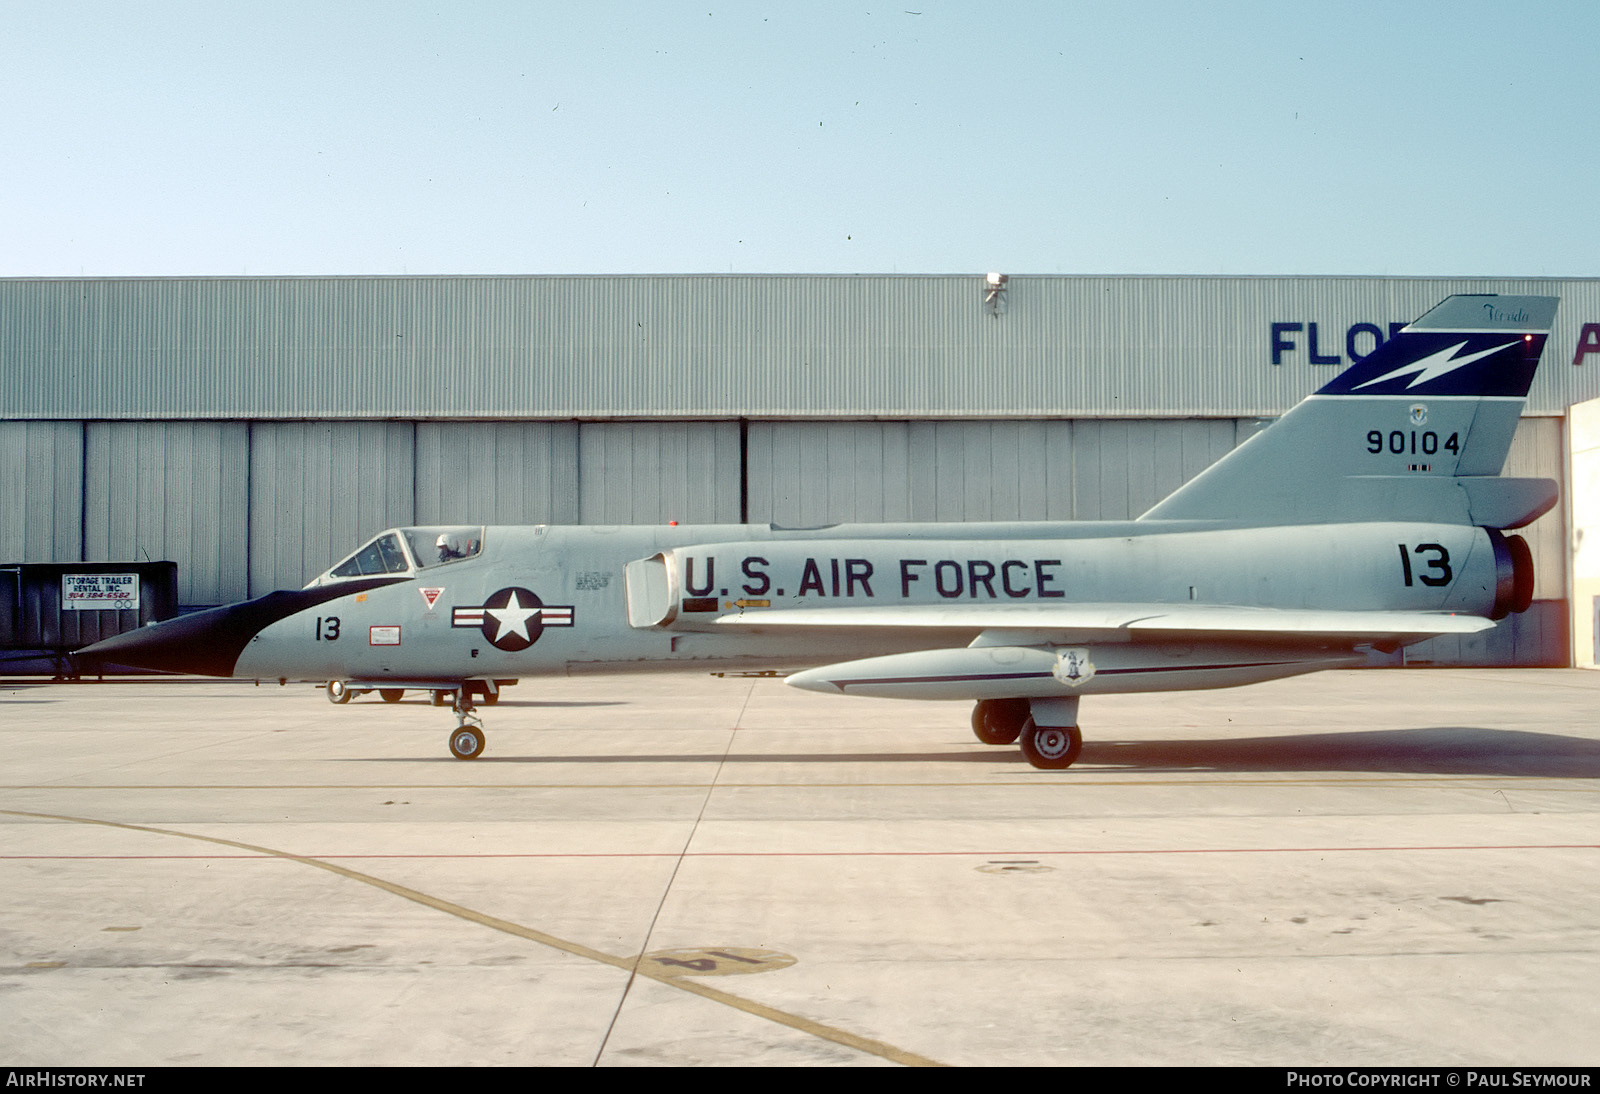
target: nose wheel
<point>467,740</point>
<point>466,743</point>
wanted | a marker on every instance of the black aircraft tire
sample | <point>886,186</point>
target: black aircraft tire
<point>1051,748</point>
<point>999,721</point>
<point>439,699</point>
<point>338,692</point>
<point>466,743</point>
<point>391,695</point>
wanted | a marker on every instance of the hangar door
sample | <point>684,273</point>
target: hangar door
<point>806,473</point>
<point>1583,423</point>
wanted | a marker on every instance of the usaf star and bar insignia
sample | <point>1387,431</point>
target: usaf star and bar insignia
<point>512,619</point>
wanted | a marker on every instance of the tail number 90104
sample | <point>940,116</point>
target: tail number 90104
<point>1410,442</point>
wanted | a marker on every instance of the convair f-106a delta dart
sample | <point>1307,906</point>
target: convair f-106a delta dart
<point>1370,516</point>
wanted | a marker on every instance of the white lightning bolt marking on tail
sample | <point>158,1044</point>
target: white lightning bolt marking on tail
<point>1435,365</point>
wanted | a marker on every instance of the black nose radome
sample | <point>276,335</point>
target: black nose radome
<point>208,643</point>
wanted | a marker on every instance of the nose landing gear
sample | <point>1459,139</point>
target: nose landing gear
<point>467,740</point>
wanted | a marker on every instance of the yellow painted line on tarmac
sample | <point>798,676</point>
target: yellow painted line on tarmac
<point>576,949</point>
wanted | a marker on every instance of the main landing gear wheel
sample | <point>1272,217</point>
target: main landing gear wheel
<point>1051,747</point>
<point>999,721</point>
<point>338,692</point>
<point>391,695</point>
<point>466,742</point>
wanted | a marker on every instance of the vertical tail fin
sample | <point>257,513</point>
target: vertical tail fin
<point>1417,430</point>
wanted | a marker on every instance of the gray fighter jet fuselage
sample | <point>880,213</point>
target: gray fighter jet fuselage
<point>1368,517</point>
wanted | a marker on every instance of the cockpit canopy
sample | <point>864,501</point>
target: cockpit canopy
<point>407,550</point>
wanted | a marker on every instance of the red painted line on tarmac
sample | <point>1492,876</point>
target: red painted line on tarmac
<point>846,854</point>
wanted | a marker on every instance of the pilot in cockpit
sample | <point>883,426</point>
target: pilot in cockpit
<point>447,551</point>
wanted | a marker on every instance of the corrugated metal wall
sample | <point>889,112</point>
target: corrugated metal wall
<point>723,347</point>
<point>804,473</point>
<point>497,473</point>
<point>652,472</point>
<point>577,473</point>
<point>41,491</point>
<point>169,491</point>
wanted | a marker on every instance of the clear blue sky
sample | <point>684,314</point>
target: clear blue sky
<point>918,136</point>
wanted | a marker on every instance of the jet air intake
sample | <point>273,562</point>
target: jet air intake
<point>653,590</point>
<point>679,586</point>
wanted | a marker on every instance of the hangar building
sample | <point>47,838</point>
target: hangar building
<point>254,430</point>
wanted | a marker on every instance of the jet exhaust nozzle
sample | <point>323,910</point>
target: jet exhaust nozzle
<point>1513,568</point>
